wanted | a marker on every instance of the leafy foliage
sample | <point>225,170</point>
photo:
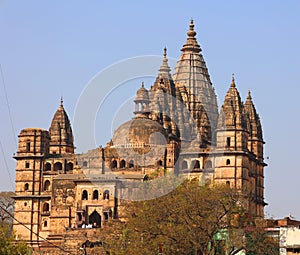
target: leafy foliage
<point>184,221</point>
<point>7,244</point>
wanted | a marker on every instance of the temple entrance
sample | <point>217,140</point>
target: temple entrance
<point>95,219</point>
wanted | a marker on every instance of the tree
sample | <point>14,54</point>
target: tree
<point>7,244</point>
<point>191,220</point>
<point>6,205</point>
<point>184,221</point>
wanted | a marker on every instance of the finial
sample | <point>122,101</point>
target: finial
<point>143,85</point>
<point>249,95</point>
<point>61,101</point>
<point>164,67</point>
<point>192,22</point>
<point>191,32</point>
<point>165,52</point>
<point>233,81</point>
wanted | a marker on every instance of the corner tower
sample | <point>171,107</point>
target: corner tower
<point>61,135</point>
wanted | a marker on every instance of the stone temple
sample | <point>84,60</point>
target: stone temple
<point>177,128</point>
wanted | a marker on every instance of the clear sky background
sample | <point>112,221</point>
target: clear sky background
<point>50,49</point>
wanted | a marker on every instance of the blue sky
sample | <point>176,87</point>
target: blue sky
<point>53,48</point>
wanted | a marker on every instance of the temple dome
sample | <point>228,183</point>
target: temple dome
<point>142,140</point>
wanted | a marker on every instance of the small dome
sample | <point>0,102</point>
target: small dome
<point>140,131</point>
<point>141,139</point>
<point>142,94</point>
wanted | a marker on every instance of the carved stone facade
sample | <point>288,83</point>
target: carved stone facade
<point>177,128</point>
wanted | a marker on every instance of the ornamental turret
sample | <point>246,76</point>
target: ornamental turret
<point>61,135</point>
<point>232,131</point>
<point>255,142</point>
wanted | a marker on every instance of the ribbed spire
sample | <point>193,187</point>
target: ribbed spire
<point>191,42</point>
<point>232,109</point>
<point>249,108</point>
<point>192,78</point>
<point>61,135</point>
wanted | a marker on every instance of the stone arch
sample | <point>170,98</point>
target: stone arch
<point>113,164</point>
<point>106,195</point>
<point>95,195</point>
<point>84,195</point>
<point>159,163</point>
<point>131,164</point>
<point>46,207</point>
<point>28,146</point>
<point>195,164</point>
<point>70,166</point>
<point>57,166</point>
<point>228,162</point>
<point>47,166</point>
<point>47,185</point>
<point>122,163</point>
<point>95,217</point>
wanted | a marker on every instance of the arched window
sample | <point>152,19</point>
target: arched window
<point>113,164</point>
<point>57,166</point>
<point>228,183</point>
<point>28,146</point>
<point>84,163</point>
<point>131,164</point>
<point>26,186</point>
<point>46,207</point>
<point>122,163</point>
<point>184,165</point>
<point>69,166</point>
<point>196,164</point>
<point>95,195</point>
<point>159,163</point>
<point>84,195</point>
<point>106,195</point>
<point>47,185</point>
<point>228,162</point>
<point>47,166</point>
<point>228,143</point>
<point>45,223</point>
<point>208,164</point>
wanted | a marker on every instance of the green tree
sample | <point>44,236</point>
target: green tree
<point>191,220</point>
<point>7,244</point>
<point>184,221</point>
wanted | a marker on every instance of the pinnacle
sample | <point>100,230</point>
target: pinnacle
<point>249,95</point>
<point>191,32</point>
<point>165,69</point>
<point>191,42</point>
<point>232,82</point>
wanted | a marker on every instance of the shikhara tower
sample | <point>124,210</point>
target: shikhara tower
<point>177,128</point>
